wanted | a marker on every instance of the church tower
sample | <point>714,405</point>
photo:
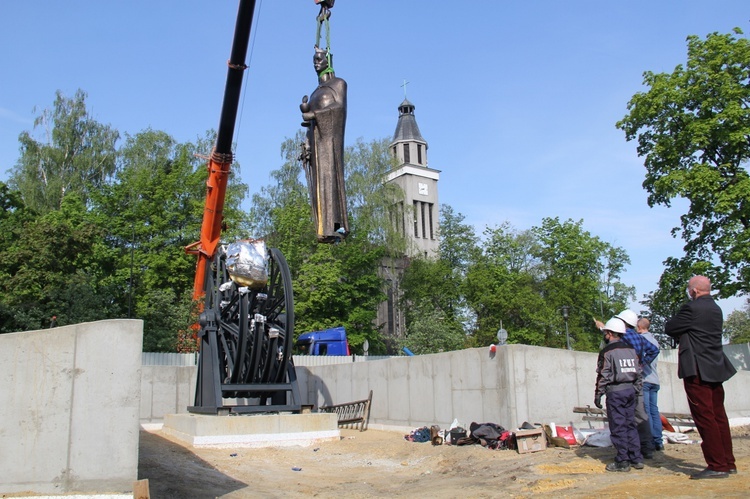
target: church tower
<point>419,215</point>
<point>416,217</point>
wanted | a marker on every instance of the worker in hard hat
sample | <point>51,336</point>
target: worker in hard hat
<point>618,377</point>
<point>646,352</point>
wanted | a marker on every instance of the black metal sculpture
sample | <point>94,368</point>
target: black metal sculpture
<point>247,323</point>
<point>246,341</point>
<point>324,115</point>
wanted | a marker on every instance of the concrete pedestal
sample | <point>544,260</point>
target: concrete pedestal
<point>256,430</point>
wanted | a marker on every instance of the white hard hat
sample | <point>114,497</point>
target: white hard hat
<point>615,325</point>
<point>628,317</point>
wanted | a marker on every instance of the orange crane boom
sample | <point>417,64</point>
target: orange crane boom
<point>220,162</point>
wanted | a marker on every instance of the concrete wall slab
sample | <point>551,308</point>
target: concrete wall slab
<point>520,383</point>
<point>69,408</point>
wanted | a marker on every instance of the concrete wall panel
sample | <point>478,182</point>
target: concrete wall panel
<point>377,375</point>
<point>104,425</point>
<point>35,405</point>
<point>69,408</point>
<point>421,402</point>
<point>398,391</point>
<point>361,384</point>
<point>521,383</point>
<point>442,392</point>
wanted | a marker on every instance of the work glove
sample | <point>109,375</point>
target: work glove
<point>598,401</point>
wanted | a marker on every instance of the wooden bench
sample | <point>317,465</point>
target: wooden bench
<point>677,420</point>
<point>591,413</point>
<point>353,413</point>
<point>596,414</point>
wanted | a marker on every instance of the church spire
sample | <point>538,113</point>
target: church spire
<point>408,145</point>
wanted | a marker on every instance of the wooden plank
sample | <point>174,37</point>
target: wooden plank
<point>589,410</point>
<point>596,414</point>
<point>141,490</point>
<point>594,418</point>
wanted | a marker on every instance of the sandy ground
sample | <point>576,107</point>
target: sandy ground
<point>382,464</point>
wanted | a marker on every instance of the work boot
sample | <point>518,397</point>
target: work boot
<point>638,465</point>
<point>618,466</point>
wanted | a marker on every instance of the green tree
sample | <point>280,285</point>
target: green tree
<point>436,284</point>
<point>370,199</point>
<point>335,285</point>
<point>76,156</point>
<point>737,325</point>
<point>339,286</point>
<point>458,240</point>
<point>281,212</point>
<point>503,287</point>
<point>693,130</point>
<point>431,332</point>
<point>13,219</point>
<point>669,296</point>
<point>152,210</point>
<point>49,270</point>
<point>583,272</point>
<point>524,278</point>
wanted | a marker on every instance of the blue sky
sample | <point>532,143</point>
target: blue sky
<point>517,100</point>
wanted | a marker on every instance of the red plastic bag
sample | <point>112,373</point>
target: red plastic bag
<point>566,432</point>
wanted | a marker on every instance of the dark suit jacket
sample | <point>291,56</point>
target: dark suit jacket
<point>698,326</point>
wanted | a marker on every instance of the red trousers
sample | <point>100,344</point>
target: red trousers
<point>706,401</point>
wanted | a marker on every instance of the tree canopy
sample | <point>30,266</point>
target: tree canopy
<point>515,279</point>
<point>93,232</point>
<point>106,240</point>
<point>737,325</point>
<point>76,154</point>
<point>692,127</point>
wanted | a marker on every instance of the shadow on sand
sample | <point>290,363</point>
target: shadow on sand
<point>174,471</point>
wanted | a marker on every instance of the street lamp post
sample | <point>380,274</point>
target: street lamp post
<point>565,310</point>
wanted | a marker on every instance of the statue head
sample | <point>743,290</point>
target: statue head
<point>322,61</point>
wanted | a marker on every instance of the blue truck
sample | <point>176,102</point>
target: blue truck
<point>327,342</point>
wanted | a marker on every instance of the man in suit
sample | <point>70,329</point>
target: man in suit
<point>703,367</point>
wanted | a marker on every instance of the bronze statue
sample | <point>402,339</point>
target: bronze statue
<point>324,115</point>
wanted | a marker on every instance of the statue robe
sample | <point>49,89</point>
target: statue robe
<point>325,168</point>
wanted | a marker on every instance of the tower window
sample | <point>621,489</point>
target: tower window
<point>419,154</point>
<point>432,228</point>
<point>424,221</point>
<point>397,218</point>
<point>407,157</point>
<point>416,220</point>
<point>403,218</point>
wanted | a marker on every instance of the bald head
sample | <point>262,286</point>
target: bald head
<point>643,325</point>
<point>699,285</point>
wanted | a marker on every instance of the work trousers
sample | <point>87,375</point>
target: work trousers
<point>622,427</point>
<point>650,392</point>
<point>706,402</point>
<point>643,426</point>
